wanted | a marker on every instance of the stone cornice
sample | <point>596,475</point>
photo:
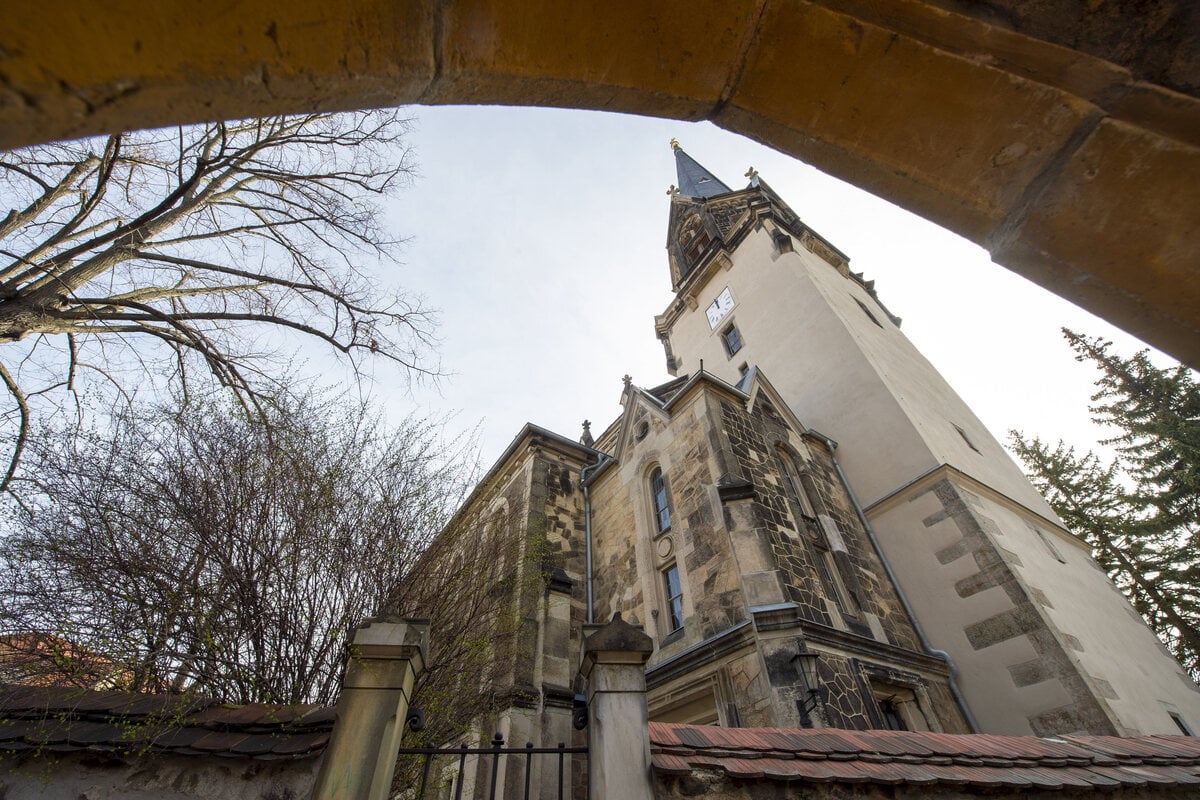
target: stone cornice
<point>943,471</point>
<point>866,647</point>
<point>727,641</point>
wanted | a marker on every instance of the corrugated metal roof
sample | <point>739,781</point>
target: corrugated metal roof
<point>922,758</point>
<point>56,719</point>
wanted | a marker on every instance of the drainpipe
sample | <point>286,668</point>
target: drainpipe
<point>587,523</point>
<point>887,567</point>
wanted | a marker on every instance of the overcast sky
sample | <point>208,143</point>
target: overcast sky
<point>540,235</point>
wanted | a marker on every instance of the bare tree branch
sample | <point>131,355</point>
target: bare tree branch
<point>23,430</point>
<point>201,549</point>
<point>197,238</point>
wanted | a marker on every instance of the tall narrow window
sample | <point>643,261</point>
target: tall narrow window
<point>796,490</point>
<point>662,510</point>
<point>674,592</point>
<point>732,340</point>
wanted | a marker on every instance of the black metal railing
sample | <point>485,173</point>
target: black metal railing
<point>496,749</point>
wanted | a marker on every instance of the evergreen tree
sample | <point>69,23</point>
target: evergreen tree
<point>1141,512</point>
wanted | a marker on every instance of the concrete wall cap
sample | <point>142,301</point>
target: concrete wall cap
<point>618,635</point>
<point>383,631</point>
<point>391,638</point>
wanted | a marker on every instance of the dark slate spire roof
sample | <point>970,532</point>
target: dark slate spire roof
<point>695,180</point>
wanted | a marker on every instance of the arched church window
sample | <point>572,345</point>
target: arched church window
<point>693,241</point>
<point>658,495</point>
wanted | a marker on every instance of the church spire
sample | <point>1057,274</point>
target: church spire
<point>695,180</point>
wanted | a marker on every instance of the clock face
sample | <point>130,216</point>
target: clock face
<point>719,308</point>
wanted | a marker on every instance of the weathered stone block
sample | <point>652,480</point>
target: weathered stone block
<point>1127,196</point>
<point>553,54</point>
<point>878,103</point>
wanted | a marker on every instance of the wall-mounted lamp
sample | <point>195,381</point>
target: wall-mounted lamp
<point>810,677</point>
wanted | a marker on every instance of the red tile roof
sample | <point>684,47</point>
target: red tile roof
<point>59,719</point>
<point>920,758</point>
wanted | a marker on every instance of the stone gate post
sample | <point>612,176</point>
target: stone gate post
<point>386,656</point>
<point>614,666</point>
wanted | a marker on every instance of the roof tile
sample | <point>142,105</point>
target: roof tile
<point>62,719</point>
<point>923,758</point>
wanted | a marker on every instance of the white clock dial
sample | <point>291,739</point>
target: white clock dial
<point>719,308</point>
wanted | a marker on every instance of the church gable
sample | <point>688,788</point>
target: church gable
<point>766,400</point>
<point>642,413</point>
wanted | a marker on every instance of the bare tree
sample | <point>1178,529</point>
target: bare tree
<point>197,239</point>
<point>209,551</point>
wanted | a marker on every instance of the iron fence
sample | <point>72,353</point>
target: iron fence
<point>449,778</point>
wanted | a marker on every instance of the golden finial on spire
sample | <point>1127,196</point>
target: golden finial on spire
<point>674,143</point>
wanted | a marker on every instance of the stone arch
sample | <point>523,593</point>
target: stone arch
<point>1063,138</point>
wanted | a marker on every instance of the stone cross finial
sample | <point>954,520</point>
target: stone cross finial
<point>672,190</point>
<point>628,379</point>
<point>586,439</point>
<point>752,173</point>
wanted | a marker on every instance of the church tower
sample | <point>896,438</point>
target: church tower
<point>1042,642</point>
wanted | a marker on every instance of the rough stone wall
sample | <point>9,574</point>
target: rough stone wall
<point>702,542</point>
<point>739,553</point>
<point>557,527</point>
<point>618,584</point>
<point>748,684</point>
<point>629,552</point>
<point>846,702</point>
<point>753,438</point>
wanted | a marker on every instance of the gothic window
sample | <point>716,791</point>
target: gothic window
<point>674,594</point>
<point>797,492</point>
<point>693,241</point>
<point>800,492</point>
<point>827,563</point>
<point>732,340</point>
<point>693,238</point>
<point>658,495</point>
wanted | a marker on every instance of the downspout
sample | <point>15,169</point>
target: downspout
<point>887,567</point>
<point>587,524</point>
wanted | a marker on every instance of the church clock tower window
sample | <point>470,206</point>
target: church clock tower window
<point>732,340</point>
